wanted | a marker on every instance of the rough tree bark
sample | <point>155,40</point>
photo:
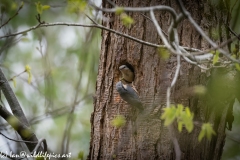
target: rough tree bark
<point>144,136</point>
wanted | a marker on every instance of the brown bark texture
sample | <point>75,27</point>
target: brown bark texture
<point>144,136</point>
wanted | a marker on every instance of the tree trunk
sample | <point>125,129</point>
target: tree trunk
<point>144,136</point>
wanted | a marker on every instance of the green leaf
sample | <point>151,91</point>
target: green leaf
<point>179,110</point>
<point>180,124</point>
<point>201,135</point>
<point>207,131</point>
<point>119,10</point>
<point>237,66</point>
<point>14,82</point>
<point>80,155</point>
<point>127,20</point>
<point>118,121</point>
<point>164,53</point>
<point>45,7</point>
<point>215,57</point>
<point>187,119</point>
<point>28,70</point>
<point>188,112</point>
<point>189,126</point>
<point>29,77</point>
<point>169,115</point>
<point>41,8</point>
<point>184,117</point>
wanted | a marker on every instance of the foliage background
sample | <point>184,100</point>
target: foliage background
<point>63,62</point>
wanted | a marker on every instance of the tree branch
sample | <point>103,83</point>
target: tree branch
<point>95,26</point>
<point>12,99</point>
<point>12,16</point>
<point>24,131</point>
<point>230,29</point>
<point>176,20</point>
<point>138,9</point>
<point>160,33</point>
<point>201,32</point>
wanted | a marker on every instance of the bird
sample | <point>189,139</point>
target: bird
<point>127,73</point>
<point>128,94</point>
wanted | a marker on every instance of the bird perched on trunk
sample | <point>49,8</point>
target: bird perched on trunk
<point>129,95</point>
<point>127,73</point>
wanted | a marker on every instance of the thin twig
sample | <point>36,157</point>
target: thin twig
<point>17,75</point>
<point>233,139</point>
<point>230,29</point>
<point>96,26</point>
<point>12,99</point>
<point>138,9</point>
<point>223,44</point>
<point>159,30</point>
<point>41,141</point>
<point>17,140</point>
<point>160,33</point>
<point>201,32</point>
<point>24,131</point>
<point>12,16</point>
<point>152,22</point>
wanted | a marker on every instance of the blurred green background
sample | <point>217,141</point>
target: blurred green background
<point>63,61</point>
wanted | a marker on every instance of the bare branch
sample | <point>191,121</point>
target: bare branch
<point>170,128</point>
<point>17,75</point>
<point>95,26</point>
<point>159,30</point>
<point>175,142</point>
<point>138,9</point>
<point>24,131</point>
<point>37,147</point>
<point>195,58</point>
<point>12,99</point>
<point>230,29</point>
<point>17,140</point>
<point>177,70</point>
<point>12,16</point>
<point>201,32</point>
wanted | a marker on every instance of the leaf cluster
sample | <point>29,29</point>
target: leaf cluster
<point>41,8</point>
<point>126,20</point>
<point>118,121</point>
<point>184,117</point>
<point>207,131</point>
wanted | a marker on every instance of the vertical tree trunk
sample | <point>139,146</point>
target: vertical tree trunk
<point>144,136</point>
